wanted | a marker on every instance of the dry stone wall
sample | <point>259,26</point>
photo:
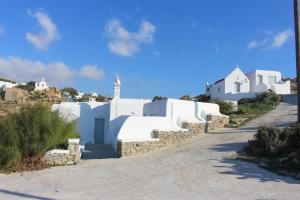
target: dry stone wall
<point>168,138</point>
<point>64,157</point>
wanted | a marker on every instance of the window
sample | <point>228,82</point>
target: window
<point>237,86</point>
<point>272,79</point>
<point>260,79</point>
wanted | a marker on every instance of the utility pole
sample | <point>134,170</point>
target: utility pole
<point>297,45</point>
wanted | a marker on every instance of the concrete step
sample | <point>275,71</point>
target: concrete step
<point>97,146</point>
<point>98,151</point>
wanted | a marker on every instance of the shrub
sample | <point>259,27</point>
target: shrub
<point>186,97</point>
<point>158,98</point>
<point>29,86</point>
<point>72,91</point>
<point>226,108</point>
<point>31,132</point>
<point>269,98</point>
<point>268,142</point>
<point>202,98</point>
<point>246,100</point>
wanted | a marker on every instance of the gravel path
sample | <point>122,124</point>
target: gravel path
<point>198,169</point>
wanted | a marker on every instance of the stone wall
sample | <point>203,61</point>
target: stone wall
<point>164,139</point>
<point>217,121</point>
<point>168,138</point>
<point>64,157</point>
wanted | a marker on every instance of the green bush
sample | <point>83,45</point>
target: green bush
<point>268,142</point>
<point>246,100</point>
<point>226,108</point>
<point>270,98</point>
<point>271,142</point>
<point>32,131</point>
<point>202,98</point>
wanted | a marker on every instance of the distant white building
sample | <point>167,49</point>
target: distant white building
<point>132,120</point>
<point>94,94</point>
<point>6,84</point>
<point>42,85</point>
<point>238,85</point>
<point>79,95</point>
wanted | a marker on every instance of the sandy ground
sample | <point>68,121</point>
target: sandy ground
<point>199,169</point>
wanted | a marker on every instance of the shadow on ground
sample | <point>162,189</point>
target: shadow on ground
<point>19,195</point>
<point>246,170</point>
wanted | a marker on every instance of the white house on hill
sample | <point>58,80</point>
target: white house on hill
<point>132,120</point>
<point>238,85</point>
<point>6,84</point>
<point>42,85</point>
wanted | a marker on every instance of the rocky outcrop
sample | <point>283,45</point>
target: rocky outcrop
<point>50,95</point>
<point>64,157</point>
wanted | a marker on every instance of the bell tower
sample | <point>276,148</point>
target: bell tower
<point>117,88</point>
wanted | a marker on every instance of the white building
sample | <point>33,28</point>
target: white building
<point>79,95</point>
<point>131,120</point>
<point>42,85</point>
<point>238,85</point>
<point>6,84</point>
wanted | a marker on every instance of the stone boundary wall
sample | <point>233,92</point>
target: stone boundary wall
<point>169,138</point>
<point>64,157</point>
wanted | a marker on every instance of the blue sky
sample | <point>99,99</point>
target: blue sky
<point>168,48</point>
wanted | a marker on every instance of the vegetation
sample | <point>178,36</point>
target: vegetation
<point>101,98</point>
<point>71,91</point>
<point>186,97</point>
<point>157,98</point>
<point>29,133</point>
<point>226,108</point>
<point>277,148</point>
<point>250,108</point>
<point>29,86</point>
<point>202,98</point>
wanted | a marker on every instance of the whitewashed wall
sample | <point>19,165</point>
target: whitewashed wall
<point>156,108</point>
<point>120,110</point>
<point>265,86</point>
<point>227,87</point>
<point>237,76</point>
<point>84,114</point>
<point>137,128</point>
<point>283,88</point>
<point>7,84</point>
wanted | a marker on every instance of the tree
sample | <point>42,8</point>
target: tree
<point>186,97</point>
<point>72,91</point>
<point>157,98</point>
<point>29,86</point>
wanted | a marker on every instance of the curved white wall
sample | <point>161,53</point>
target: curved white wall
<point>137,128</point>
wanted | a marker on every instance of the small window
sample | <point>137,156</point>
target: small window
<point>260,79</point>
<point>237,86</point>
<point>272,79</point>
<point>219,89</point>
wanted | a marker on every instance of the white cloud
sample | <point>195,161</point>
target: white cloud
<point>24,70</point>
<point>271,42</point>
<point>91,72</point>
<point>258,44</point>
<point>281,39</point>
<point>125,43</point>
<point>55,73</point>
<point>47,35</point>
